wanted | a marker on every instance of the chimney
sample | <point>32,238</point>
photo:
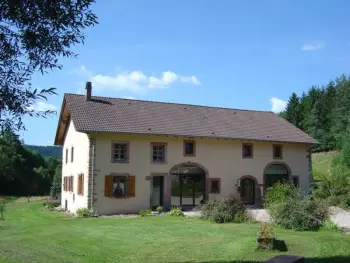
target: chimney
<point>88,88</point>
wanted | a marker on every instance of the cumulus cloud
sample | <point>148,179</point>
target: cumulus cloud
<point>313,46</point>
<point>43,106</point>
<point>136,81</point>
<point>278,105</point>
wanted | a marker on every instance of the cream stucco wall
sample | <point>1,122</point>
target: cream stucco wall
<point>221,158</point>
<point>80,142</point>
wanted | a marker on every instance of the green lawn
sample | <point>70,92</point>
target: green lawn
<point>30,234</point>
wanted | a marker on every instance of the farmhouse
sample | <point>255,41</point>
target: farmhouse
<point>122,155</point>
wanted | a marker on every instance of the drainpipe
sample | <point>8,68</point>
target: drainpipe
<point>92,177</point>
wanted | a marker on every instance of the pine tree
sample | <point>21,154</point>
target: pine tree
<point>293,110</point>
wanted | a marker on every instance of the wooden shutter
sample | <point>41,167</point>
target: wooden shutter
<point>131,186</point>
<point>82,184</point>
<point>108,186</point>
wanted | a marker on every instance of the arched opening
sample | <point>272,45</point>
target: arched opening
<point>187,185</point>
<point>248,190</point>
<point>276,173</point>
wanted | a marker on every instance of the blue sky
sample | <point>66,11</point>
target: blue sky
<point>238,54</point>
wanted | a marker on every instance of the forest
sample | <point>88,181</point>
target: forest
<point>25,172</point>
<point>323,112</point>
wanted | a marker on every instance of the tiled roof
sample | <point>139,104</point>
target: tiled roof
<point>114,115</point>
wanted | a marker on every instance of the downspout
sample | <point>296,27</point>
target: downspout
<point>92,176</point>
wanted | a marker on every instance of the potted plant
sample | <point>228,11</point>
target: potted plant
<point>266,237</point>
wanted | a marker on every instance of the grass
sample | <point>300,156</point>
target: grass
<point>30,234</point>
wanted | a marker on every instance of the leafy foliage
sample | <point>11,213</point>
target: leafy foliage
<point>176,211</point>
<point>335,188</point>
<point>82,212</point>
<point>2,209</point>
<point>324,113</point>
<point>159,209</point>
<point>279,193</point>
<point>33,35</point>
<point>23,172</point>
<point>56,182</point>
<point>299,213</point>
<point>229,209</point>
<point>145,212</point>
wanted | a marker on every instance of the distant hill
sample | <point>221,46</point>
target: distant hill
<point>46,151</point>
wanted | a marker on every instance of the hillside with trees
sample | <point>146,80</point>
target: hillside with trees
<point>324,113</point>
<point>47,151</point>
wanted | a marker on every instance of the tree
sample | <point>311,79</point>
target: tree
<point>56,183</point>
<point>293,110</point>
<point>33,36</point>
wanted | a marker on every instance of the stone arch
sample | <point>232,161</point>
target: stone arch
<point>184,164</point>
<point>257,192</point>
<point>289,171</point>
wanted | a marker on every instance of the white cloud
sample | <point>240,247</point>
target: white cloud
<point>278,105</point>
<point>43,106</point>
<point>313,46</point>
<point>135,81</point>
<point>129,98</point>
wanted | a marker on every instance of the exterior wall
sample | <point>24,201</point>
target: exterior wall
<point>80,142</point>
<point>220,158</point>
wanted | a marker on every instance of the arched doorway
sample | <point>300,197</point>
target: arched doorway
<point>274,173</point>
<point>248,190</point>
<point>187,185</point>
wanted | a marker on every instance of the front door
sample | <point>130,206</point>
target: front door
<point>248,191</point>
<point>157,191</point>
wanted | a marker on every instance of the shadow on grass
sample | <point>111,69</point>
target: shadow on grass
<point>307,260</point>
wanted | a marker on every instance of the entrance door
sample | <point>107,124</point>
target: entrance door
<point>248,191</point>
<point>157,191</point>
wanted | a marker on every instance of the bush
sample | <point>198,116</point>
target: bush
<point>2,210</point>
<point>145,212</point>
<point>230,209</point>
<point>335,188</point>
<point>176,211</point>
<point>299,214</point>
<point>159,209</point>
<point>330,226</point>
<point>278,193</point>
<point>82,212</point>
<point>93,213</point>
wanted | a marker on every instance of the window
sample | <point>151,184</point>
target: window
<point>120,152</point>
<point>71,154</point>
<point>247,150</point>
<point>189,148</point>
<point>80,190</point>
<point>215,185</point>
<point>66,155</point>
<point>68,183</point>
<point>158,152</point>
<point>119,186</point>
<point>277,151</point>
<point>296,180</point>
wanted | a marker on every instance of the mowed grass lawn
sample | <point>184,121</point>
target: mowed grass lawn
<point>30,234</point>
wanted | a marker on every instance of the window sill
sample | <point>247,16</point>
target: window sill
<point>189,155</point>
<point>158,162</point>
<point>119,161</point>
<point>247,157</point>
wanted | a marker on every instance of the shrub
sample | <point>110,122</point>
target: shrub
<point>330,226</point>
<point>145,212</point>
<point>335,188</point>
<point>278,193</point>
<point>299,214</point>
<point>230,209</point>
<point>82,212</point>
<point>93,213</point>
<point>176,211</point>
<point>159,209</point>
<point>2,210</point>
<point>266,237</point>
